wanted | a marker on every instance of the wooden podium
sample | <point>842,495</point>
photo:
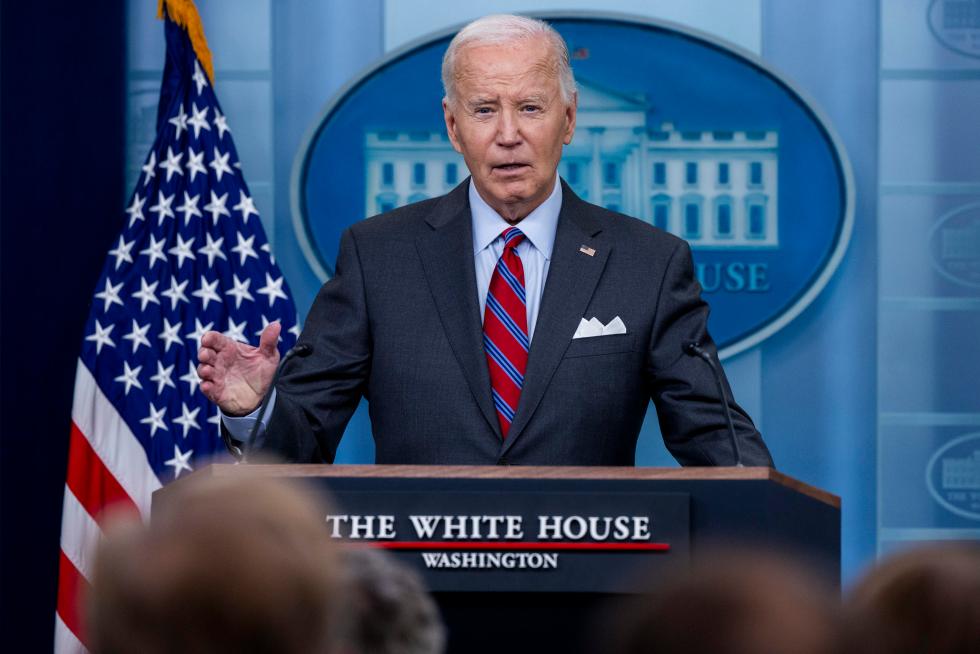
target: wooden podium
<point>518,557</point>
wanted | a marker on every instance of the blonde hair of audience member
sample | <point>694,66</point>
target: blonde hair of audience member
<point>739,603</point>
<point>922,600</point>
<point>226,565</point>
<point>388,609</point>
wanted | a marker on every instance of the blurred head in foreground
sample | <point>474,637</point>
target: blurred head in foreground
<point>226,565</point>
<point>387,609</point>
<point>923,600</point>
<point>734,604</point>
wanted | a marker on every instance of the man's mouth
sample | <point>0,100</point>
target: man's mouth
<point>510,167</point>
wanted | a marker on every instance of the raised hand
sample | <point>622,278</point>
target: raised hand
<point>234,375</point>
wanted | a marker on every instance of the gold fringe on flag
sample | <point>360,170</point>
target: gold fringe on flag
<point>184,13</point>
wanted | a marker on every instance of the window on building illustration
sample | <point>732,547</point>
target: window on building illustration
<point>572,173</point>
<point>661,211</point>
<point>386,202</point>
<point>692,219</point>
<point>723,174</point>
<point>417,197</point>
<point>610,173</point>
<point>659,173</point>
<point>691,173</point>
<point>418,174</point>
<point>452,174</point>
<point>723,217</point>
<point>387,174</point>
<point>755,213</point>
<point>755,173</point>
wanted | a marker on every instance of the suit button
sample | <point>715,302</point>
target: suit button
<point>503,461</point>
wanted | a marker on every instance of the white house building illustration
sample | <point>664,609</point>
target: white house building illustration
<point>962,473</point>
<point>714,188</point>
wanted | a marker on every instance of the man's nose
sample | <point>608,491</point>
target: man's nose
<point>508,130</point>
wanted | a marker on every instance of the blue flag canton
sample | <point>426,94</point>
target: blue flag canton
<point>192,257</point>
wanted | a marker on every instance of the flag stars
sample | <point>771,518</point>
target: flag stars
<point>193,381</point>
<point>188,418</point>
<point>294,330</point>
<point>180,461</point>
<point>169,334</point>
<point>272,289</point>
<point>244,249</point>
<point>195,164</point>
<point>135,210</point>
<point>176,292</point>
<point>189,208</point>
<point>101,337</point>
<point>216,207</point>
<point>183,250</point>
<point>221,123</point>
<point>213,249</point>
<point>162,208</point>
<point>199,80</point>
<point>207,293</point>
<point>172,164</point>
<point>220,163</point>
<point>155,420</point>
<point>130,377</point>
<point>110,295</point>
<point>147,293</point>
<point>149,168</point>
<point>179,121</point>
<point>138,335</point>
<point>164,377</point>
<point>236,331</point>
<point>122,252</point>
<point>245,205</point>
<point>155,251</point>
<point>240,290</point>
<point>199,120</point>
<point>196,335</point>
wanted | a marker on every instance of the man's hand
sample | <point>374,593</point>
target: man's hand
<point>236,376</point>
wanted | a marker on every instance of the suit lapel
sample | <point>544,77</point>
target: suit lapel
<point>572,278</point>
<point>447,258</point>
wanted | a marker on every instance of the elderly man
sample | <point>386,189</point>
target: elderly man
<point>505,322</point>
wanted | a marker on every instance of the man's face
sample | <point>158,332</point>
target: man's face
<point>509,122</point>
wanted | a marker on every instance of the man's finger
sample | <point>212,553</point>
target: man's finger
<point>213,340</point>
<point>269,340</point>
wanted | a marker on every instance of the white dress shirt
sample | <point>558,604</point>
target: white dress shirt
<point>539,229</point>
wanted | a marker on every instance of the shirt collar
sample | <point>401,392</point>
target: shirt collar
<point>539,226</point>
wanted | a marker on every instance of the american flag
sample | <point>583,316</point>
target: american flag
<point>192,257</point>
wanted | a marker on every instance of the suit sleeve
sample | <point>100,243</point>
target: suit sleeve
<point>682,387</point>
<point>317,395</point>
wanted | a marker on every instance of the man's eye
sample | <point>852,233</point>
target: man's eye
<point>530,108</point>
<point>483,111</point>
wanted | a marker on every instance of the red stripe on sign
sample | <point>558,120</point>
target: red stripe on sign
<point>72,589</point>
<point>510,545</point>
<point>90,480</point>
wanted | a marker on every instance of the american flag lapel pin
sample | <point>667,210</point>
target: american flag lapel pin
<point>585,249</point>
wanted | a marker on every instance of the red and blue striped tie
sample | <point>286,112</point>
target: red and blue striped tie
<point>505,336</point>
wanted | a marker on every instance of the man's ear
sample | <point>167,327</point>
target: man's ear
<point>571,113</point>
<point>450,117</point>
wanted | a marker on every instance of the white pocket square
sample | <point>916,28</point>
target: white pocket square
<point>593,327</point>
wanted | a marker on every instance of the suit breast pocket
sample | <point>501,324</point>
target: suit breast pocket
<point>596,345</point>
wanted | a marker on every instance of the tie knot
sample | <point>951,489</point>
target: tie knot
<point>512,237</point>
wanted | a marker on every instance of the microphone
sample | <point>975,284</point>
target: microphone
<point>694,349</point>
<point>240,453</point>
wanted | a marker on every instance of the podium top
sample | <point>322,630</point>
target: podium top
<point>523,472</point>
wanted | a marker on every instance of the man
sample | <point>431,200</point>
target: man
<point>466,320</point>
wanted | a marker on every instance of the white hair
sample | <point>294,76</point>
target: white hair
<point>507,28</point>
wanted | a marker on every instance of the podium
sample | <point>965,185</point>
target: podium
<point>519,557</point>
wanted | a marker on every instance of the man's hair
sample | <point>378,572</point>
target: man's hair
<point>733,603</point>
<point>925,599</point>
<point>387,607</point>
<point>226,565</point>
<point>507,28</point>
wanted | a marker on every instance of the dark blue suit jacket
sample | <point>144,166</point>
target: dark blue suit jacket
<point>399,323</point>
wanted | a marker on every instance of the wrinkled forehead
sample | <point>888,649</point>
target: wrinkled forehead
<point>525,65</point>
